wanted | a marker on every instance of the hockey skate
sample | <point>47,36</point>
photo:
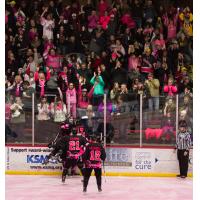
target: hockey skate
<point>99,189</point>
<point>84,189</point>
<point>63,179</point>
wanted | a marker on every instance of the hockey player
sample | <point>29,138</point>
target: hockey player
<point>72,147</point>
<point>82,131</point>
<point>76,148</point>
<point>65,129</point>
<point>92,157</point>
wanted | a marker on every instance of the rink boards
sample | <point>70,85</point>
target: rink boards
<point>121,161</point>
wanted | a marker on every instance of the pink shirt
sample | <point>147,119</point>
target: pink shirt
<point>71,94</point>
<point>104,20</point>
<point>32,35</point>
<point>102,8</point>
<point>170,89</point>
<point>171,26</point>
<point>7,111</point>
<point>133,63</point>
<point>171,31</point>
<point>92,21</point>
<point>53,61</point>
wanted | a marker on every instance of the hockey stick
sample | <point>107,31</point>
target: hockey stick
<point>51,144</point>
<point>104,171</point>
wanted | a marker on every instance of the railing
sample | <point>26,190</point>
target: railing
<point>132,122</point>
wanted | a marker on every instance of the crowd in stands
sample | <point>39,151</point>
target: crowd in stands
<point>71,53</point>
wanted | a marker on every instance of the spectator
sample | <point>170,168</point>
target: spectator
<point>171,24</point>
<point>43,109</point>
<point>88,8</point>
<point>52,60</point>
<point>153,96</point>
<point>161,71</point>
<point>98,84</point>
<point>52,83</point>
<point>89,119</point>
<point>41,85</point>
<point>58,110</point>
<point>74,23</point>
<point>112,25</point>
<point>133,62</point>
<point>28,90</point>
<point>85,72</point>
<point>127,21</point>
<point>18,115</point>
<point>187,83</point>
<point>8,103</point>
<point>173,57</point>
<point>168,128</point>
<point>71,99</point>
<point>138,89</point>
<point>48,25</point>
<point>170,89</point>
<point>186,108</point>
<point>118,74</point>
<point>149,11</point>
<point>114,91</point>
<point>136,12</point>
<point>119,48</point>
<point>148,62</point>
<point>31,79</point>
<point>102,7</point>
<point>124,92</point>
<point>170,107</point>
<point>118,105</point>
<point>30,66</point>
<point>18,87</point>
<point>104,20</point>
<point>186,18</point>
<point>63,82</point>
<point>84,99</point>
<point>92,21</point>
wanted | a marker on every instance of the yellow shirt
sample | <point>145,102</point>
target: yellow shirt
<point>153,86</point>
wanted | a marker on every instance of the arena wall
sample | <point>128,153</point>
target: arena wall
<point>121,161</point>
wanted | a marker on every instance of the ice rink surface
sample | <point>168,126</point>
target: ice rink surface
<point>28,187</point>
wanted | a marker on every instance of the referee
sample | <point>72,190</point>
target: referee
<point>183,145</point>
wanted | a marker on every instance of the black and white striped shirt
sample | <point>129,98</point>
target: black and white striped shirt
<point>183,141</point>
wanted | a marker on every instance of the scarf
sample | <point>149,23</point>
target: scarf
<point>17,90</point>
<point>42,84</point>
<point>59,106</point>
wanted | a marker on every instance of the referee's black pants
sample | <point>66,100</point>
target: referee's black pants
<point>87,174</point>
<point>183,161</point>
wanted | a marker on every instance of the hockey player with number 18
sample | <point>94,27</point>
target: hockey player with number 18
<point>93,156</point>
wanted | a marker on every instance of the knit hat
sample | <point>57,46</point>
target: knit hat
<point>147,50</point>
<point>12,3</point>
